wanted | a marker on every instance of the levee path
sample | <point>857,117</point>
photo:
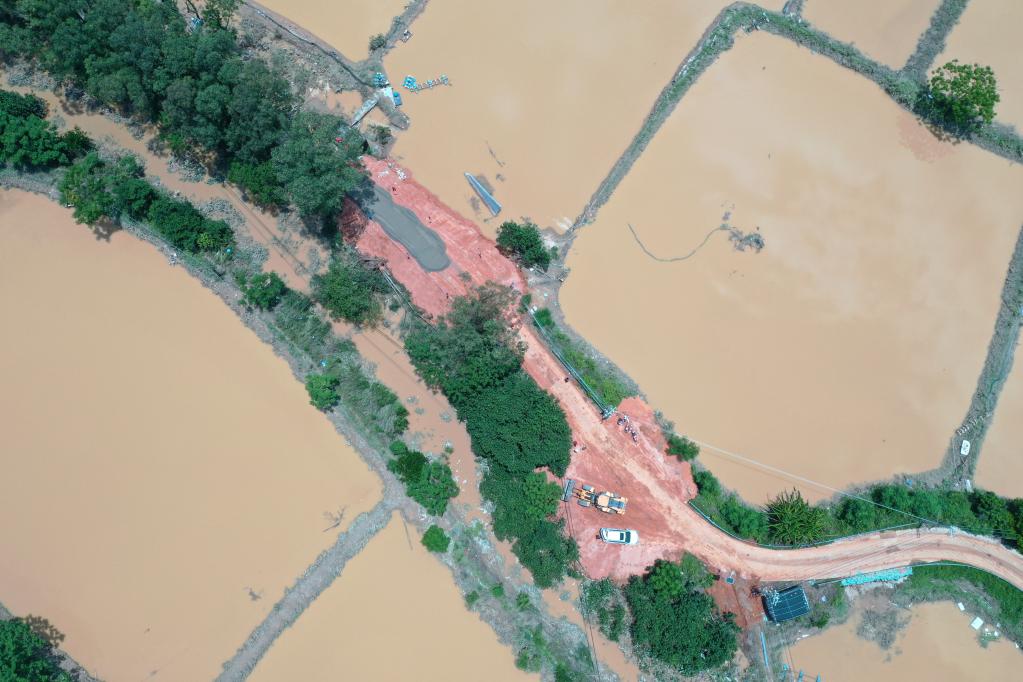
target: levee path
<point>607,455</point>
<point>318,577</point>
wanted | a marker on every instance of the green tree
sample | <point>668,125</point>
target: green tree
<point>666,577</point>
<point>349,290</point>
<point>322,391</point>
<point>540,496</point>
<point>21,106</point>
<point>265,290</point>
<point>25,656</point>
<point>31,143</point>
<point>98,189</point>
<point>965,95</point>
<point>682,447</point>
<point>524,243</point>
<point>376,42</point>
<point>431,484</point>
<point>793,521</point>
<point>258,181</point>
<point>315,168</point>
<point>185,227</point>
<point>436,540</point>
<point>680,628</point>
<point>219,12</point>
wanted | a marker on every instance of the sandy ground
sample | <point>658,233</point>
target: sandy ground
<point>608,457</point>
<point>393,615</point>
<point>937,644</point>
<point>848,349</point>
<point>543,97</point>
<point>1000,467</point>
<point>988,33</point>
<point>159,461</point>
<point>885,30</point>
<point>347,26</point>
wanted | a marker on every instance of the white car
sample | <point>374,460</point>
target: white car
<point>618,536</point>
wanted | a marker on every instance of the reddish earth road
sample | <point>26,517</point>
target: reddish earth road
<point>607,455</point>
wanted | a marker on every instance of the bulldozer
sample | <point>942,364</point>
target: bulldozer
<point>587,496</point>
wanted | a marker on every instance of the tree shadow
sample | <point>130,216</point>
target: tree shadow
<point>44,629</point>
<point>940,123</point>
<point>104,229</point>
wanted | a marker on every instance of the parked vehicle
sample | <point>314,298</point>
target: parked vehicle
<point>619,536</point>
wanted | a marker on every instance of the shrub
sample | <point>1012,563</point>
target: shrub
<point>259,181</point>
<point>349,290</point>
<point>436,540</point>
<point>793,521</point>
<point>428,483</point>
<point>497,591</point>
<point>322,390</point>
<point>378,41</point>
<point>682,447</point>
<point>524,243</point>
<point>265,290</point>
<point>522,601</point>
<point>186,228</point>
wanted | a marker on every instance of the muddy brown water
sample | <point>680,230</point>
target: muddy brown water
<point>1000,467</point>
<point>166,478</point>
<point>848,349</point>
<point>543,96</point>
<point>394,614</point>
<point>347,26</point>
<point>988,33</point>
<point>937,644</point>
<point>885,30</point>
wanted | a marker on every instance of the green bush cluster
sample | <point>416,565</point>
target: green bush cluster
<point>350,291</point>
<point>474,358</point>
<point>207,95</point>
<point>264,290</point>
<point>524,243</point>
<point>100,189</point>
<point>428,483</point>
<point>24,655</point>
<point>602,600</point>
<point>610,389</point>
<point>322,389</point>
<point>436,540</point>
<point>789,520</point>
<point>28,141</point>
<point>682,447</point>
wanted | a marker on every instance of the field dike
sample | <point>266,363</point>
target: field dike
<point>478,565</point>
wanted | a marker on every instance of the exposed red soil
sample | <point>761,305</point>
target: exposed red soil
<point>608,458</point>
<point>470,252</point>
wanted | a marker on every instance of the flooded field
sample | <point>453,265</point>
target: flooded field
<point>165,476</point>
<point>347,26</point>
<point>1000,467</point>
<point>848,349</point>
<point>885,30</point>
<point>937,644</point>
<point>988,33</point>
<point>538,105</point>
<point>394,614</point>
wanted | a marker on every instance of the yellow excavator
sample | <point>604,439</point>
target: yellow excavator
<point>587,496</point>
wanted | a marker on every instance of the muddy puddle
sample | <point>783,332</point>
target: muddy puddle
<point>1000,467</point>
<point>885,30</point>
<point>543,96</point>
<point>347,26</point>
<point>166,476</point>
<point>937,644</point>
<point>394,614</point>
<point>847,350</point>
<point>988,33</point>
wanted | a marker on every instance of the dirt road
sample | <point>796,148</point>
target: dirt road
<point>627,455</point>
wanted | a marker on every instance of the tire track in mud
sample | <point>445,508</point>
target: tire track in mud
<point>317,577</point>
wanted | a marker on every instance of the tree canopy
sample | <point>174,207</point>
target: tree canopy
<point>428,483</point>
<point>350,291</point>
<point>524,243</point>
<point>25,656</point>
<point>965,95</point>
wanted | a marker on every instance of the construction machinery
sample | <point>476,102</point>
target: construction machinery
<point>587,496</point>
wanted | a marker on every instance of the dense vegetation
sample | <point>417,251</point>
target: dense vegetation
<point>436,540</point>
<point>474,358</point>
<point>28,141</point>
<point>668,614</point>
<point>789,520</point>
<point>25,656</point>
<point>610,390</point>
<point>524,243</point>
<point>350,291</point>
<point>963,96</point>
<point>681,447</point>
<point>428,483</point>
<point>209,99</point>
